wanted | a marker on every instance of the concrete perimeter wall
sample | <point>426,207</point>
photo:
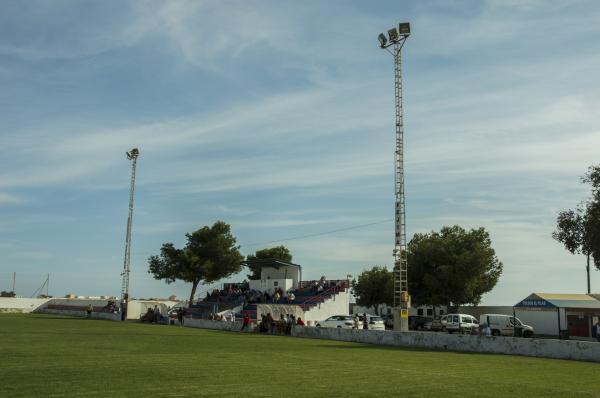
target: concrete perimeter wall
<point>95,315</point>
<point>546,348</point>
<point>23,305</point>
<point>215,325</point>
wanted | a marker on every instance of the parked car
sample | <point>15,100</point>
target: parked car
<point>438,324</point>
<point>461,323</point>
<point>337,321</point>
<point>418,322</point>
<point>388,320</point>
<point>375,322</point>
<point>506,325</point>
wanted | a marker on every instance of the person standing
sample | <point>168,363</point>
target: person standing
<point>365,321</point>
<point>180,316</point>
<point>156,314</point>
<point>89,310</point>
<point>356,322</point>
<point>598,330</point>
<point>246,324</point>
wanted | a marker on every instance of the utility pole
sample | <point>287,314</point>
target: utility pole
<point>393,44</point>
<point>14,278</point>
<point>131,155</point>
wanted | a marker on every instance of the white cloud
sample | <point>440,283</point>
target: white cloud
<point>7,199</point>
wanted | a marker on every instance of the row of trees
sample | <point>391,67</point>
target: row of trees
<point>457,267</point>
<point>210,254</point>
<point>450,267</point>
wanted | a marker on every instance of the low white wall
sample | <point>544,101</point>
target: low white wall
<point>546,348</point>
<point>18,304</point>
<point>215,325</point>
<point>82,314</point>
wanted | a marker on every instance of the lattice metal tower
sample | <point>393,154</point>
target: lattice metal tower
<point>393,44</point>
<point>131,155</point>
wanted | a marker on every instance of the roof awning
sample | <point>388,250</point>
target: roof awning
<point>550,300</point>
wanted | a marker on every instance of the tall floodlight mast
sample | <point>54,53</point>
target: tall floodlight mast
<point>131,155</point>
<point>393,44</point>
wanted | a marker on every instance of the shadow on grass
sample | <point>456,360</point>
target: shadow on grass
<point>360,346</point>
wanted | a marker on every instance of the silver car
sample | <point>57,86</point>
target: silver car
<point>337,321</point>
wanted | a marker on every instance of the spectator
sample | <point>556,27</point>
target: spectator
<point>180,316</point>
<point>598,330</point>
<point>262,326</point>
<point>270,322</point>
<point>365,322</point>
<point>246,324</point>
<point>276,297</point>
<point>291,297</point>
<point>156,314</point>
<point>356,322</point>
<point>487,330</point>
<point>300,322</point>
<point>282,324</point>
<point>89,310</point>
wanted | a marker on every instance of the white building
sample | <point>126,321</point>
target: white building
<point>566,315</point>
<point>276,274</point>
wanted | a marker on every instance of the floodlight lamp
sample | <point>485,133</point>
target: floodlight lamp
<point>393,35</point>
<point>404,28</point>
<point>382,40</point>
<point>133,154</point>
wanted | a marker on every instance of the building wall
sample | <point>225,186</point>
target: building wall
<point>337,305</point>
<point>384,309</point>
<point>477,311</point>
<point>283,272</point>
<point>269,285</point>
<point>544,322</point>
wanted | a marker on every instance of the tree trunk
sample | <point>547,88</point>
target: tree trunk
<point>194,286</point>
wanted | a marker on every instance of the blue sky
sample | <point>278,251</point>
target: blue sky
<point>277,117</point>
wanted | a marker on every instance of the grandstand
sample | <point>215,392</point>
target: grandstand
<point>279,290</point>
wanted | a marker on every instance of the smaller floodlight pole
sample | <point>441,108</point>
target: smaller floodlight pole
<point>131,155</point>
<point>393,44</point>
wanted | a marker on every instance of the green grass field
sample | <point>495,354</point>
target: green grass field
<point>50,356</point>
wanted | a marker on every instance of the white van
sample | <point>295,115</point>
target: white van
<point>461,323</point>
<point>504,325</point>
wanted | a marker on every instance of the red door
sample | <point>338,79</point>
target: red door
<point>578,326</point>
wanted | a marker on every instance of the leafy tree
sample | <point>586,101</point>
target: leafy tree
<point>579,230</point>
<point>374,287</point>
<point>453,266</point>
<point>280,253</point>
<point>7,294</point>
<point>209,255</point>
